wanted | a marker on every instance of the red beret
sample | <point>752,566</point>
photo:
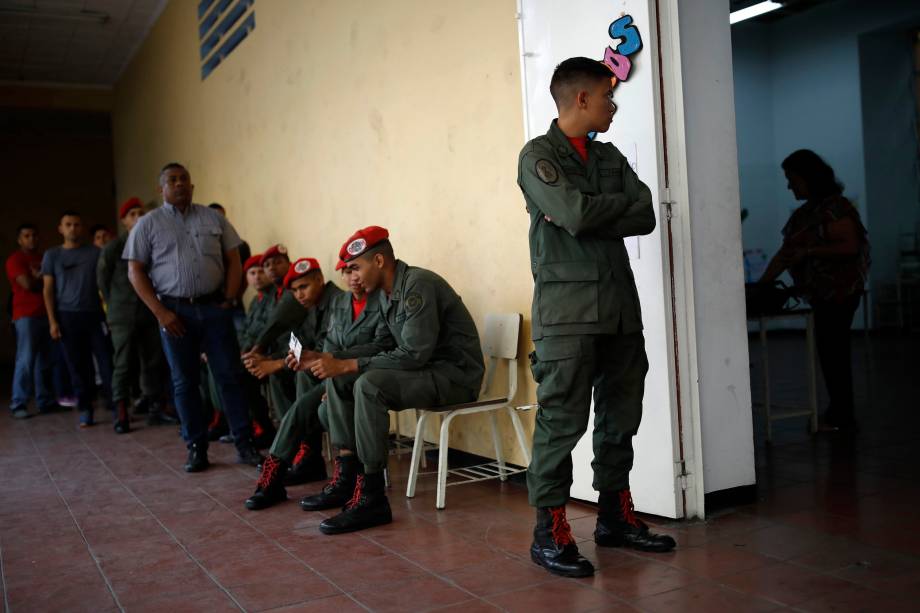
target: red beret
<point>272,251</point>
<point>340,265</point>
<point>255,260</point>
<point>127,205</point>
<point>299,269</point>
<point>361,241</point>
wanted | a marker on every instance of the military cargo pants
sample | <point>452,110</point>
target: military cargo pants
<point>567,370</point>
<point>282,389</point>
<point>363,404</point>
<point>300,424</point>
<point>141,342</point>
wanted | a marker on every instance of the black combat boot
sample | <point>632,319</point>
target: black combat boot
<point>246,453</point>
<point>618,526</point>
<point>367,508</point>
<point>308,466</point>
<point>157,415</point>
<point>339,490</point>
<point>269,489</point>
<point>554,547</point>
<point>197,458</point>
<point>122,421</point>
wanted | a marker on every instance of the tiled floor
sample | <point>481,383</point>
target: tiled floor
<point>91,521</point>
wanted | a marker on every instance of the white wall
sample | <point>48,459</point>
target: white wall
<point>797,85</point>
<point>721,332</point>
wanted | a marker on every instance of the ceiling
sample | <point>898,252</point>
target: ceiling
<point>79,42</point>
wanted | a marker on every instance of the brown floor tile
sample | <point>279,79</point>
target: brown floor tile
<point>496,576</point>
<point>331,604</point>
<point>785,583</point>
<point>636,578</point>
<point>708,597</point>
<point>713,561</point>
<point>271,592</point>
<point>212,601</point>
<point>858,599</point>
<point>416,594</point>
<point>556,595</point>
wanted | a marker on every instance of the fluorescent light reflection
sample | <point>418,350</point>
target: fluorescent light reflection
<point>753,11</point>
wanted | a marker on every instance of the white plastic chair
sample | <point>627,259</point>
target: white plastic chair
<point>500,342</point>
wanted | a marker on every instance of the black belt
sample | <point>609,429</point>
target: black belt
<point>212,298</point>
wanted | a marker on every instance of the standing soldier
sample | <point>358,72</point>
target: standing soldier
<point>135,336</point>
<point>184,264</point>
<point>583,199</point>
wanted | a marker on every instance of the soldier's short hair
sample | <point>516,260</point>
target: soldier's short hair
<point>574,74</point>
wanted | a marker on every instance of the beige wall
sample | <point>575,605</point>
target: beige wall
<point>333,115</point>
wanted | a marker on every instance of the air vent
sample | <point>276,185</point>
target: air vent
<point>222,26</point>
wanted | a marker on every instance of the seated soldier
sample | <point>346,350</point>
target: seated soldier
<point>264,359</point>
<point>437,360</point>
<point>348,331</point>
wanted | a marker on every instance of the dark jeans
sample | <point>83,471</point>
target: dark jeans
<point>32,373</point>
<point>832,341</point>
<point>84,336</point>
<point>209,330</point>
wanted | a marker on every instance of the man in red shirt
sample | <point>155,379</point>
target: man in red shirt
<point>32,373</point>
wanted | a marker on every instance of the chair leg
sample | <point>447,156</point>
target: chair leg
<point>497,442</point>
<point>420,433</point>
<point>442,460</point>
<point>519,431</point>
<point>418,452</point>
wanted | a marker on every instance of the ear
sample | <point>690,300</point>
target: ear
<point>581,99</point>
<point>379,260</point>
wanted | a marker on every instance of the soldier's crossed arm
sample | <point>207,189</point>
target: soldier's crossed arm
<point>639,217</point>
<point>420,330</point>
<point>563,203</point>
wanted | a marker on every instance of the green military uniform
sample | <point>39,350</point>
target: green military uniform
<point>286,315</point>
<point>343,338</point>
<point>437,360</point>
<point>587,326</point>
<point>135,333</point>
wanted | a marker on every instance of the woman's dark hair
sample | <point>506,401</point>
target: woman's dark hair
<point>817,174</point>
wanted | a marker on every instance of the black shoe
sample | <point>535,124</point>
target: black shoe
<point>197,458</point>
<point>339,490</point>
<point>52,408</point>
<point>618,526</point>
<point>554,546</point>
<point>367,508</point>
<point>269,489</point>
<point>122,422</point>
<point>21,413</point>
<point>310,468</point>
<point>159,418</point>
<point>142,406</point>
<point>247,454</point>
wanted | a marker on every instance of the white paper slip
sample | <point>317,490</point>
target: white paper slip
<point>296,347</point>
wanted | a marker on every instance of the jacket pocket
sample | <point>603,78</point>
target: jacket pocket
<point>568,293</point>
<point>611,176</point>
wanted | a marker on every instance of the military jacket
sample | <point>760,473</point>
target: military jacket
<point>312,331</point>
<point>367,335</point>
<point>260,309</point>
<point>579,214</point>
<point>123,306</point>
<point>431,328</point>
<point>286,315</point>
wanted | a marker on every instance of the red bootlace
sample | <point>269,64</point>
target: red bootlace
<point>257,429</point>
<point>627,509</point>
<point>303,452</point>
<point>356,497</point>
<point>270,469</point>
<point>562,532</point>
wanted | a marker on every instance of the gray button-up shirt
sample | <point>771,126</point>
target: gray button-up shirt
<point>183,254</point>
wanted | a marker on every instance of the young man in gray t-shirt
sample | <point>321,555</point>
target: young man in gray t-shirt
<point>75,314</point>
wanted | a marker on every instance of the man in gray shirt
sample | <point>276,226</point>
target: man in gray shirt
<point>184,263</point>
<point>75,314</point>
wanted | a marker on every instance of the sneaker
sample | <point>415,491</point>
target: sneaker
<point>20,413</point>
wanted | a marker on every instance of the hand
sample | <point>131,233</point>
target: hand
<point>170,323</point>
<point>307,357</point>
<point>265,368</point>
<point>327,367</point>
<point>290,361</point>
<point>254,350</point>
<point>252,358</point>
<point>55,330</point>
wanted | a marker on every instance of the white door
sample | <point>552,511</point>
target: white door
<point>619,32</point>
